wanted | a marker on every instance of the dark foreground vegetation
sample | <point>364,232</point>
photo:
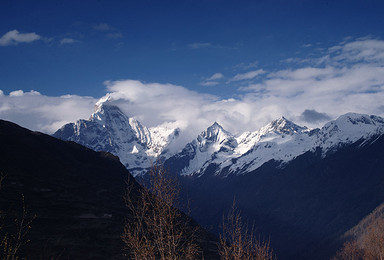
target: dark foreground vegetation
<point>158,230</point>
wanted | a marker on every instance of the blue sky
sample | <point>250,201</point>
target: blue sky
<point>255,55</point>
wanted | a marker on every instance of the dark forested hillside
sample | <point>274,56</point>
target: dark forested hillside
<point>74,194</point>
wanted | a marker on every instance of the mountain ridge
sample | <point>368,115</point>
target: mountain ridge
<point>282,140</point>
<point>109,129</point>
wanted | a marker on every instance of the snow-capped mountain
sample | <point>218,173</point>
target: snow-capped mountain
<point>214,150</point>
<point>348,129</point>
<point>109,129</point>
<point>281,140</point>
<point>214,141</point>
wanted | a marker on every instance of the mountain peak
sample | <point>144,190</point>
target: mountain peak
<point>215,126</point>
<point>357,119</point>
<point>106,113</point>
<point>102,101</point>
<point>352,127</point>
<point>215,133</point>
<point>109,129</point>
<point>283,126</point>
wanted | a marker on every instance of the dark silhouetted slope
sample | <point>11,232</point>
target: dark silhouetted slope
<point>75,193</point>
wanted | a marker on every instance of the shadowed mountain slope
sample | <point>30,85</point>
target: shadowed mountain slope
<point>76,195</point>
<point>305,207</point>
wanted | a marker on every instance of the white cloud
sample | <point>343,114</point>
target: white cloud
<point>216,76</point>
<point>212,80</point>
<point>16,93</point>
<point>248,75</point>
<point>368,50</point>
<point>20,93</point>
<point>246,65</point>
<point>14,37</point>
<point>68,41</point>
<point>209,83</point>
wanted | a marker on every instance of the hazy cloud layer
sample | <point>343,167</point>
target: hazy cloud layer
<point>103,27</point>
<point>14,37</point>
<point>199,45</point>
<point>345,78</point>
<point>110,31</point>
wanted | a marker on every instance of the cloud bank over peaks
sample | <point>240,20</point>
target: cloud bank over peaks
<point>308,93</point>
<point>43,113</point>
<point>154,103</point>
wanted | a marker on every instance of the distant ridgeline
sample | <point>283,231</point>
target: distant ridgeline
<point>109,129</point>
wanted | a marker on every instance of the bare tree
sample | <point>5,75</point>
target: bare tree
<point>157,229</point>
<point>373,241</point>
<point>238,242</point>
<point>12,242</point>
<point>369,246</point>
<point>350,251</point>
